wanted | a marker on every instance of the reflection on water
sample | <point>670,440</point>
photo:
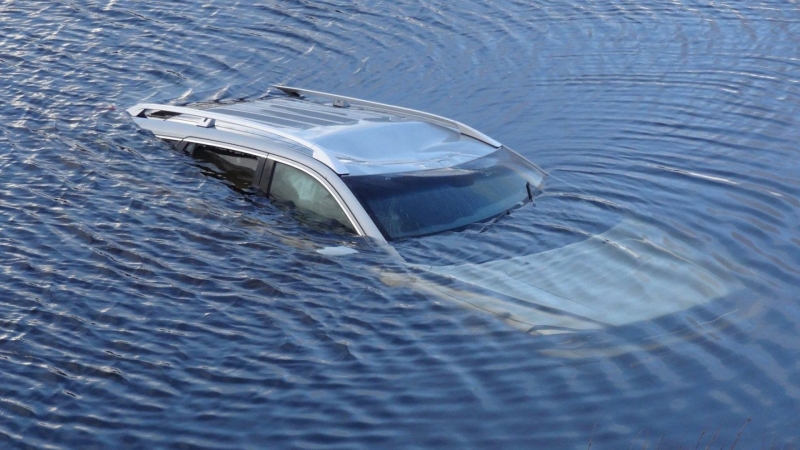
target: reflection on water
<point>146,304</point>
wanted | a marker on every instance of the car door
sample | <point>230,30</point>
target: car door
<point>291,185</point>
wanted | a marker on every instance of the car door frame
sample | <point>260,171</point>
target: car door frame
<point>359,219</point>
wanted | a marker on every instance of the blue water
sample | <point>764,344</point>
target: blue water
<point>144,304</point>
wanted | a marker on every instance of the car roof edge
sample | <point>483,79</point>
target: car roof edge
<point>209,118</point>
<point>466,130</point>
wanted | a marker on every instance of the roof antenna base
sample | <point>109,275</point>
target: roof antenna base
<point>341,103</point>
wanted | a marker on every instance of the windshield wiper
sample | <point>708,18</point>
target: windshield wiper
<point>497,218</point>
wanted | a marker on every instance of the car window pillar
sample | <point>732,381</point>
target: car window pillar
<point>263,175</point>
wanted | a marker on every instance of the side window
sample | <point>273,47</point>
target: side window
<point>237,167</point>
<point>311,199</point>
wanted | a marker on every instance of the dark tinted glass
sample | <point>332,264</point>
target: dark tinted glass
<point>237,167</point>
<point>426,202</point>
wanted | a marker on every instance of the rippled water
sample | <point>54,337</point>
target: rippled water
<point>145,304</point>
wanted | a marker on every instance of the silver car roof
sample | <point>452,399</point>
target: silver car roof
<point>349,135</point>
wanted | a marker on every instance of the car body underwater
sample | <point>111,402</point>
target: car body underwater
<point>395,175</point>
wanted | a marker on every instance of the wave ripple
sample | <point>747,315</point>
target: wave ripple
<point>145,305</point>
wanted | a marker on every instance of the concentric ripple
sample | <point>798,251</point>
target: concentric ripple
<point>144,304</point>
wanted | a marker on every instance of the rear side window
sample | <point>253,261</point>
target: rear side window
<point>237,167</point>
<point>310,199</point>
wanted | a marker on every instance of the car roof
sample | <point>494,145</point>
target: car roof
<point>349,135</point>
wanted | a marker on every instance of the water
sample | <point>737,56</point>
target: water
<point>144,304</point>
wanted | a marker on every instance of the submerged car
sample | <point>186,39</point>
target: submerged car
<point>376,170</point>
<point>394,174</point>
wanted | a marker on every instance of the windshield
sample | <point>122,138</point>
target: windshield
<point>426,202</point>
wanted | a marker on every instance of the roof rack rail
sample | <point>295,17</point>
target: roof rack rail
<point>463,129</point>
<point>209,118</point>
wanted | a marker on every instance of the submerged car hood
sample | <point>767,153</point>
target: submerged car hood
<point>630,273</point>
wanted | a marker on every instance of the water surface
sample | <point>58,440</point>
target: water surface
<point>145,304</point>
